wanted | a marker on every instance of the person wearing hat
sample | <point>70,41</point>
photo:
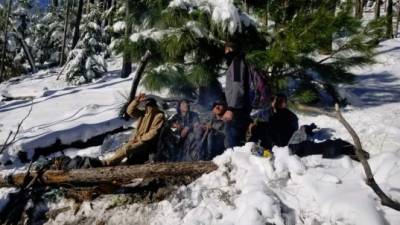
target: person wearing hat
<point>144,142</point>
<point>215,130</point>
<point>237,115</point>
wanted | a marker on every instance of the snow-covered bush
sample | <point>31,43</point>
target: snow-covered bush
<point>47,38</point>
<point>86,62</point>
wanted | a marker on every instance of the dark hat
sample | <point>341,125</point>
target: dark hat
<point>150,102</point>
<point>219,102</point>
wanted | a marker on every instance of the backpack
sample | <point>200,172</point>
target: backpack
<point>259,91</point>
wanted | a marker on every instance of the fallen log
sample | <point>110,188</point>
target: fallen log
<point>118,175</point>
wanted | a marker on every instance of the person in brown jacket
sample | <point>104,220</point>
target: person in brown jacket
<point>144,142</point>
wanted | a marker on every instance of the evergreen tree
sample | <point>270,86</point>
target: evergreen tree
<point>293,59</point>
<point>186,39</point>
<point>47,37</point>
<point>86,61</point>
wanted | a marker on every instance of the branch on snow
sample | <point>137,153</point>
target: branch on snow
<point>385,200</point>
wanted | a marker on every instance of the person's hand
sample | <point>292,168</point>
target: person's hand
<point>141,97</point>
<point>184,132</point>
<point>228,116</point>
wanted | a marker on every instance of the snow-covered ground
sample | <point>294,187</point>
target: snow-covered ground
<point>246,189</point>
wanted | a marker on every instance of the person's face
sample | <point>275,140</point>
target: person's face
<point>219,110</point>
<point>228,49</point>
<point>279,103</point>
<point>184,107</point>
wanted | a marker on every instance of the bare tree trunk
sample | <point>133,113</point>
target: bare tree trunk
<point>135,83</point>
<point>377,9</point>
<point>25,47</point>
<point>62,54</point>
<point>359,8</point>
<point>87,6</point>
<point>75,38</point>
<point>397,21</point>
<point>3,51</point>
<point>115,175</point>
<point>389,19</point>
<point>127,59</point>
<point>267,13</point>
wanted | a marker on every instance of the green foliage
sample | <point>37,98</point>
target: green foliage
<point>314,47</point>
<point>86,62</point>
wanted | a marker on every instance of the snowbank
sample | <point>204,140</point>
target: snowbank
<point>248,189</point>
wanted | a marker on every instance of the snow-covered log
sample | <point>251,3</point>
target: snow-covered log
<point>116,175</point>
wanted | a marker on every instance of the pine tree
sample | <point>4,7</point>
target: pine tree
<point>186,39</point>
<point>86,61</point>
<point>293,59</point>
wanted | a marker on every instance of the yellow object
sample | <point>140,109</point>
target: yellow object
<point>267,153</point>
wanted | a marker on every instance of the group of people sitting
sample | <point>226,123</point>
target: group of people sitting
<point>186,137</point>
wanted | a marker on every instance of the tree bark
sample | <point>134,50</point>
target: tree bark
<point>359,8</point>
<point>377,9</point>
<point>135,82</point>
<point>75,38</point>
<point>397,21</point>
<point>3,51</point>
<point>27,52</point>
<point>115,175</point>
<point>389,19</point>
<point>62,54</point>
<point>127,59</point>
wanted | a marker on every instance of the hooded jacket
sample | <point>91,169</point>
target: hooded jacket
<point>150,122</point>
<point>237,85</point>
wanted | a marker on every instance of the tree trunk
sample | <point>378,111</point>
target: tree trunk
<point>115,175</point>
<point>389,19</point>
<point>27,52</point>
<point>62,54</point>
<point>266,13</point>
<point>359,8</point>
<point>135,83</point>
<point>3,51</point>
<point>75,38</point>
<point>87,6</point>
<point>377,9</point>
<point>127,59</point>
<point>397,21</point>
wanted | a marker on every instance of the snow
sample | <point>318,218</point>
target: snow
<point>223,12</point>
<point>60,111</point>
<point>119,26</point>
<point>150,33</point>
<point>245,189</point>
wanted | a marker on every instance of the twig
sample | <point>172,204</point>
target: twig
<point>6,144</point>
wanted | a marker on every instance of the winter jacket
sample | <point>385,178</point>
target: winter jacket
<point>237,85</point>
<point>282,125</point>
<point>149,124</point>
<point>187,120</point>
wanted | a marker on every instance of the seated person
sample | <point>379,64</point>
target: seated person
<point>282,123</point>
<point>145,140</point>
<point>184,120</point>
<point>215,130</point>
<point>302,144</point>
<point>207,141</point>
